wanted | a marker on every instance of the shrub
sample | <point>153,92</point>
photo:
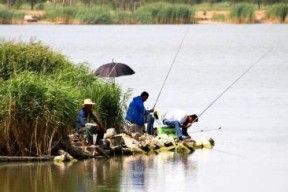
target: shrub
<point>34,56</point>
<point>40,95</point>
<point>278,11</point>
<point>8,16</point>
<point>243,12</point>
<point>165,13</point>
<point>95,15</point>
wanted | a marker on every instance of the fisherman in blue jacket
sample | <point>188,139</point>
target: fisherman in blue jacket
<point>136,113</point>
<point>83,125</point>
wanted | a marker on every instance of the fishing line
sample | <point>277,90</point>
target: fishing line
<point>236,80</point>
<point>229,153</point>
<point>180,46</point>
<point>205,130</point>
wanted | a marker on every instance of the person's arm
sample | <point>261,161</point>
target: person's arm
<point>95,120</point>
<point>144,111</point>
<point>185,127</point>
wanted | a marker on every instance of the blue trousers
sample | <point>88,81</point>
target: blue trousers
<point>175,124</point>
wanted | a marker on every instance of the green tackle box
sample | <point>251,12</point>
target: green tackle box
<point>169,131</point>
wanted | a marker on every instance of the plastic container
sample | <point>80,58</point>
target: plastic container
<point>165,130</point>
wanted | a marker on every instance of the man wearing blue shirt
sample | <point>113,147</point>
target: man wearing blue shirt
<point>136,113</point>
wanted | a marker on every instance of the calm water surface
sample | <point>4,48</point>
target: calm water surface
<point>251,151</point>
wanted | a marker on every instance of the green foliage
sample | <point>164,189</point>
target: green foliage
<point>122,17</point>
<point>61,14</point>
<point>34,56</point>
<point>89,15</point>
<point>164,13</point>
<point>35,113</point>
<point>219,17</point>
<point>215,6</point>
<point>243,12</point>
<point>40,98</point>
<point>278,11</point>
<point>9,16</point>
<point>40,6</point>
<point>95,15</point>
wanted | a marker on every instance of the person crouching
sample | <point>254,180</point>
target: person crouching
<point>83,125</point>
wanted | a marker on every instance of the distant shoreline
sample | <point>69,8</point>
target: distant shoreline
<point>201,17</point>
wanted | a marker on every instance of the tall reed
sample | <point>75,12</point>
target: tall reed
<point>278,11</point>
<point>39,100</point>
<point>243,13</point>
<point>10,16</point>
<point>34,56</point>
<point>165,13</point>
<point>95,15</point>
<point>35,114</point>
<point>64,15</point>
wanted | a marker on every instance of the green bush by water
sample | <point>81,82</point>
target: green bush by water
<point>95,15</point>
<point>243,12</point>
<point>165,13</point>
<point>65,15</point>
<point>34,56</point>
<point>39,102</point>
<point>278,11</point>
<point>10,16</point>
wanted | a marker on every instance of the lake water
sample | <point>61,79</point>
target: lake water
<point>251,151</point>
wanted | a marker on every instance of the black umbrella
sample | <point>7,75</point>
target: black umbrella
<point>114,70</point>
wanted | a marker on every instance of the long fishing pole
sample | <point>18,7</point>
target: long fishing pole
<point>180,46</point>
<point>237,79</point>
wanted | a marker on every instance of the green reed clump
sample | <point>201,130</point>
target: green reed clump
<point>64,15</point>
<point>10,16</point>
<point>278,11</point>
<point>95,15</point>
<point>38,108</point>
<point>243,12</point>
<point>36,113</point>
<point>122,17</point>
<point>34,56</point>
<point>219,17</point>
<point>165,13</point>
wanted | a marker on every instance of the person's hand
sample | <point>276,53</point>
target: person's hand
<point>151,110</point>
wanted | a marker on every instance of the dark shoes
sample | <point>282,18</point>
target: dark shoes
<point>181,138</point>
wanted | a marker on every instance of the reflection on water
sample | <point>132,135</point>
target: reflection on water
<point>132,173</point>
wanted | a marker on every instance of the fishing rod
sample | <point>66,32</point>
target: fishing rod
<point>205,130</point>
<point>180,46</point>
<point>236,80</point>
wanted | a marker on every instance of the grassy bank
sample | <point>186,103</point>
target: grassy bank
<point>278,11</point>
<point>40,94</point>
<point>11,16</point>
<point>243,13</point>
<point>150,13</point>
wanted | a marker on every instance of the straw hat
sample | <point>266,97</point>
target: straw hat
<point>88,102</point>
